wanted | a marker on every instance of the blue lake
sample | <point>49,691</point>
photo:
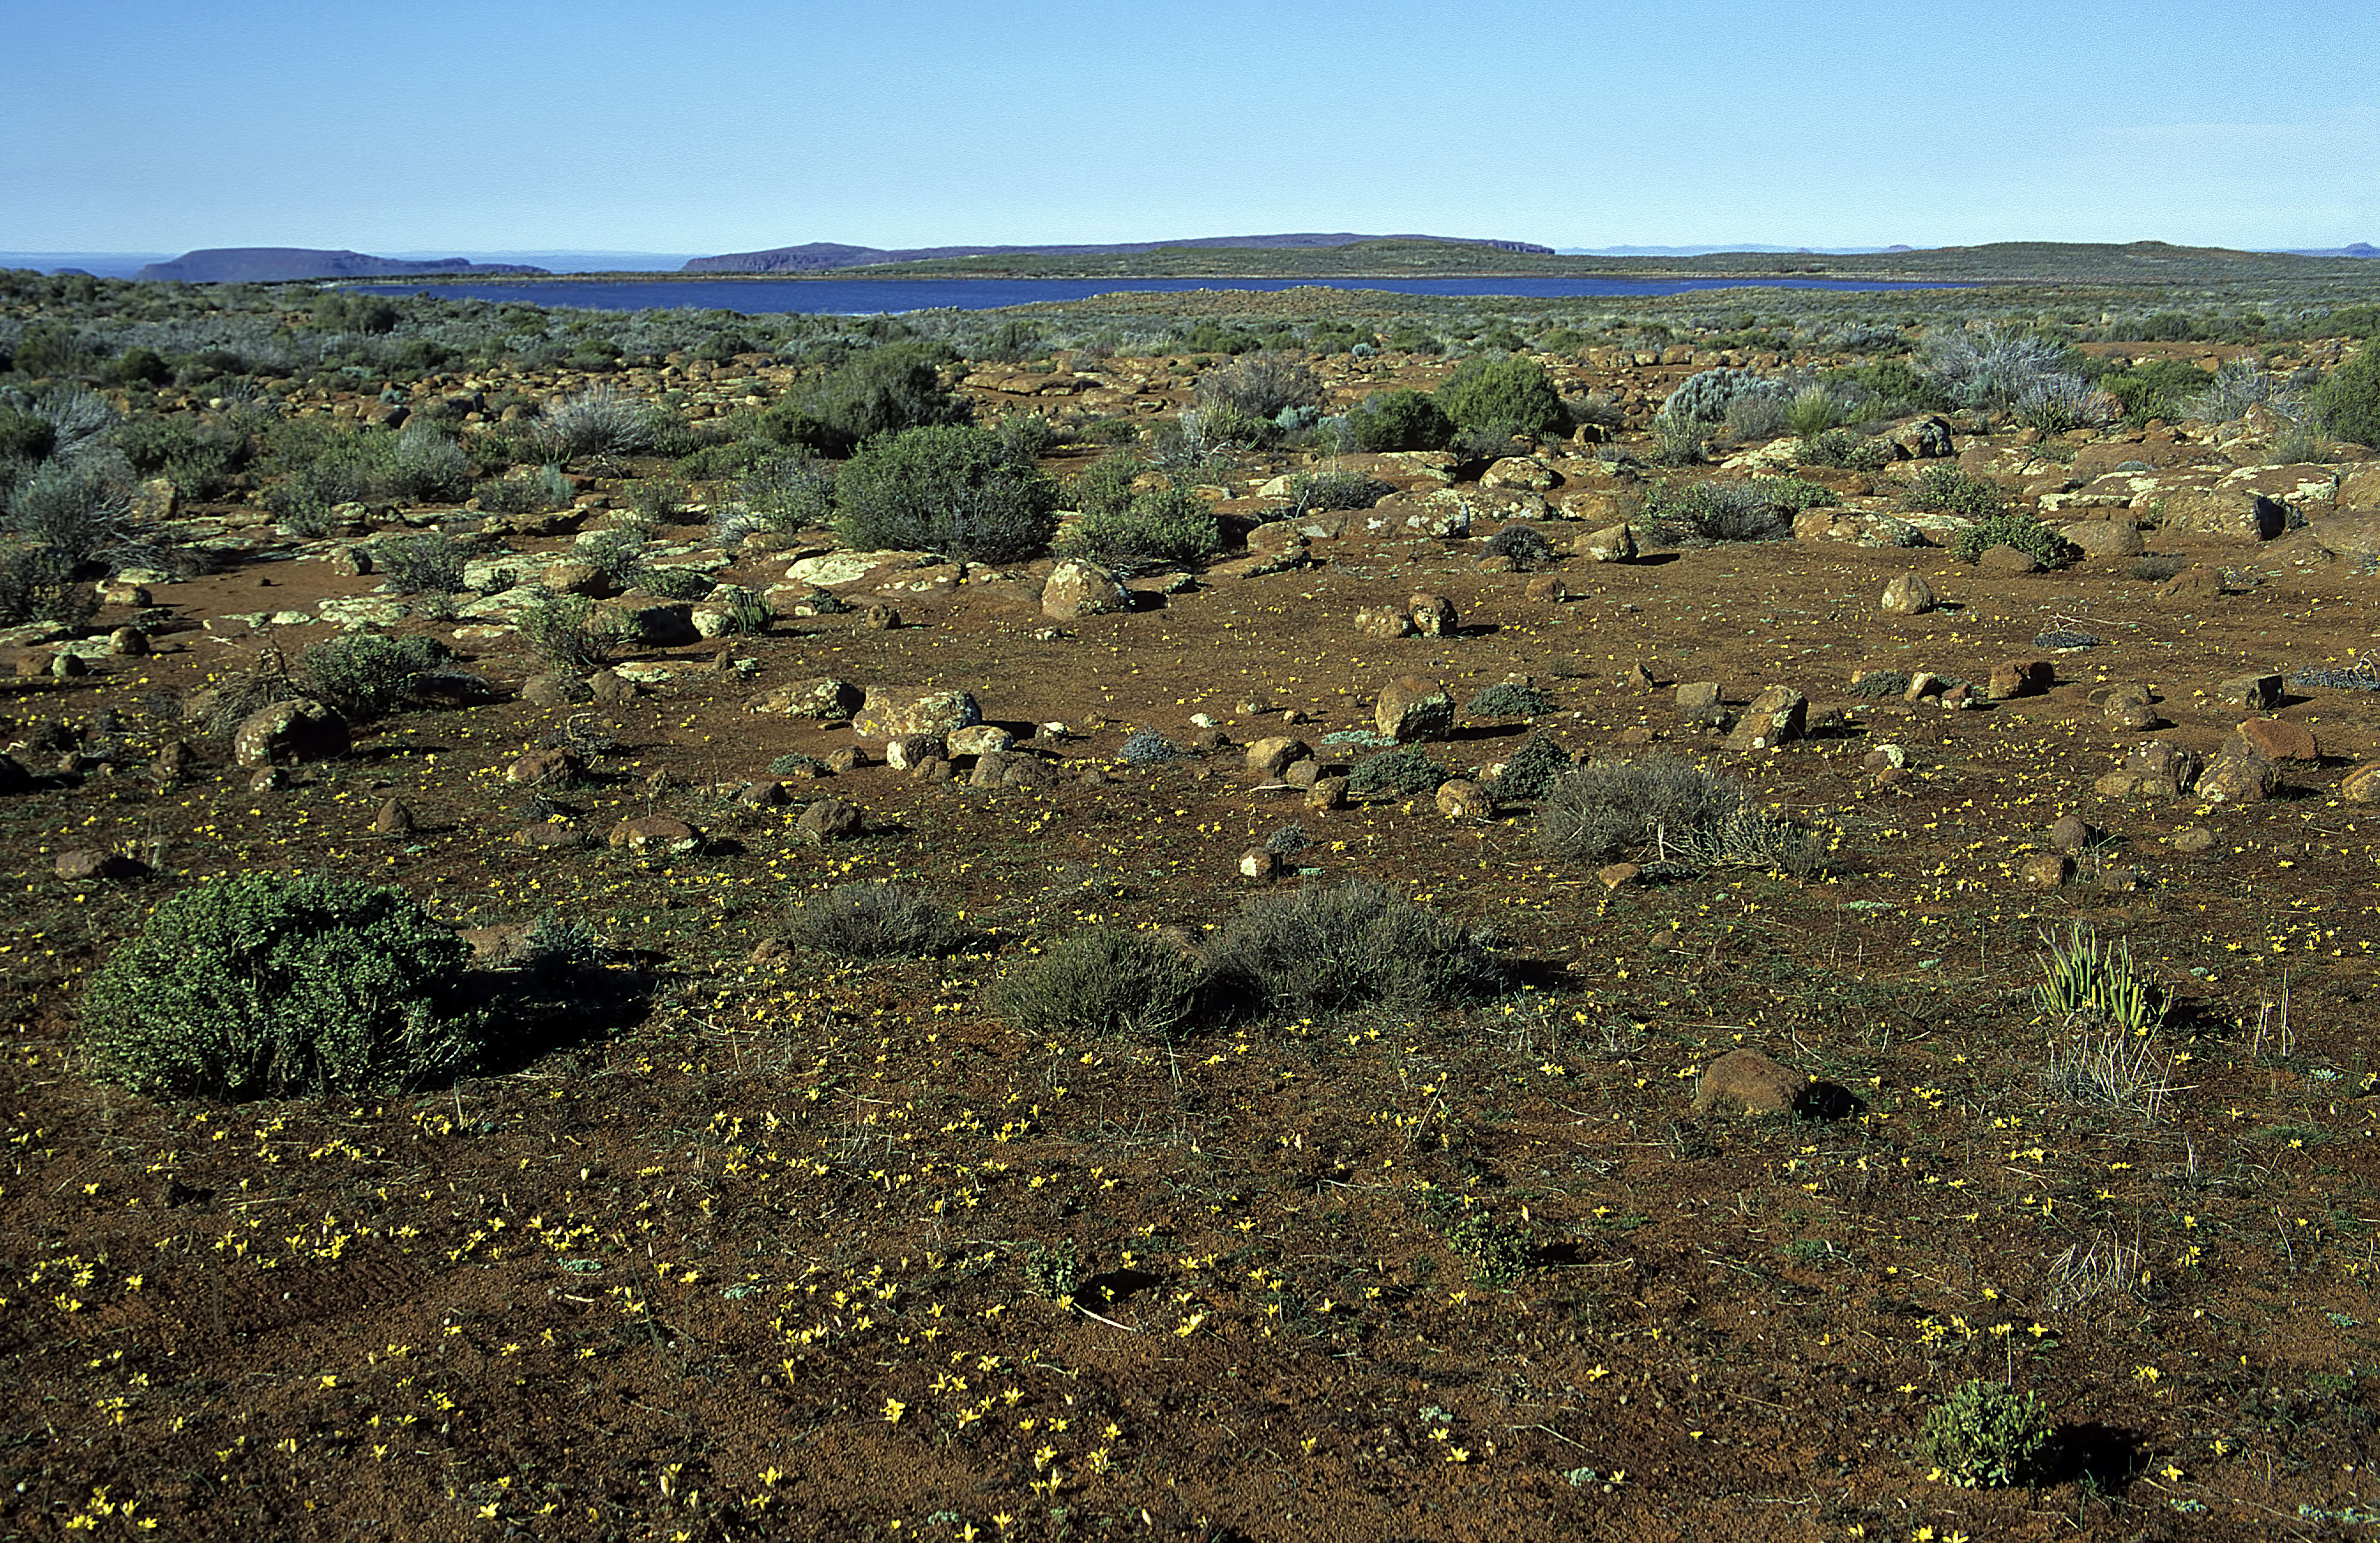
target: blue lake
<point>873,297</point>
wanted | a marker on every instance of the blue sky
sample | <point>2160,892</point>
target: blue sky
<point>729,125</point>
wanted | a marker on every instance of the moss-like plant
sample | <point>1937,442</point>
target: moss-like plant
<point>266,987</point>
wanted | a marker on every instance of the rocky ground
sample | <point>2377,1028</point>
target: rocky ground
<point>743,1241</point>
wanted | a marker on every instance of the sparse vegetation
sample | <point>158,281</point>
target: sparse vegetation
<point>952,490</point>
<point>871,922</point>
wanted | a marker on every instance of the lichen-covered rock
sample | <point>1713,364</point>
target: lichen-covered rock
<point>1077,589</point>
<point>823,697</point>
<point>890,711</point>
<point>1412,708</point>
<point>1909,596</point>
<point>300,729</point>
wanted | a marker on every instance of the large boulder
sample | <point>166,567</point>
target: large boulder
<point>1077,589</point>
<point>892,711</point>
<point>299,729</point>
<point>1909,596</point>
<point>824,697</point>
<point>1779,715</point>
<point>1411,708</point>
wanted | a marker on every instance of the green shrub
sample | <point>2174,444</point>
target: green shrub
<point>366,675</point>
<point>428,467</point>
<point>1988,368</point>
<point>1399,420</point>
<point>1331,487</point>
<point>1847,450</point>
<point>1500,1254</point>
<point>881,392</point>
<point>1105,486</point>
<point>195,454</point>
<point>787,492</point>
<point>1524,544</point>
<point>1027,435</point>
<point>2157,388</point>
<point>1167,527</point>
<point>1985,1435</point>
<point>675,581</point>
<point>870,921</point>
<point>1895,387</point>
<point>1505,396</point>
<point>75,509</point>
<point>1109,981</point>
<point>568,633</point>
<point>1328,948</point>
<point>2016,529</point>
<point>264,987</point>
<point>1946,490</point>
<point>947,488</point>
<point>39,584</point>
<point>1813,411</point>
<point>529,493</point>
<point>1677,441</point>
<point>430,563</point>
<point>1723,511</point>
<point>1052,1270</point>
<point>2346,403</point>
<point>1403,772</point>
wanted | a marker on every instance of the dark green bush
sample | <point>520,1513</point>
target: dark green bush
<point>366,675</point>
<point>1524,544</point>
<point>1946,490</point>
<point>39,584</point>
<point>787,492</point>
<point>1509,699</point>
<point>263,987</point>
<point>1985,1435</point>
<point>1532,769</point>
<point>531,492</point>
<point>673,581</point>
<point>1166,528</point>
<point>2014,527</point>
<point>569,634</point>
<point>1328,948</point>
<point>1109,981</point>
<point>429,563</point>
<point>1402,772</point>
<point>880,391</point>
<point>947,488</point>
<point>871,922</point>
<point>2156,388</point>
<point>1897,387</point>
<point>1105,486</point>
<point>1510,395</point>
<point>1847,449</point>
<point>2346,403</point>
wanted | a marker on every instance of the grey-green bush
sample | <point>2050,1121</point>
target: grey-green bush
<point>264,987</point>
<point>1510,395</point>
<point>1163,528</point>
<point>1399,420</point>
<point>870,921</point>
<point>1328,948</point>
<point>947,488</point>
<point>1109,981</point>
<point>366,675</point>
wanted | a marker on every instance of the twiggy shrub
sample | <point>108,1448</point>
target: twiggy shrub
<point>366,675</point>
<point>1260,386</point>
<point>568,633</point>
<point>1109,981</point>
<point>427,564</point>
<point>1599,811</point>
<point>1161,528</point>
<point>870,921</point>
<point>1329,948</point>
<point>1985,1435</point>
<point>264,987</point>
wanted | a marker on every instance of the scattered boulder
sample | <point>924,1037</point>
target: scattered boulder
<point>2362,785</point>
<point>84,865</point>
<point>1779,715</point>
<point>1260,864</point>
<point>1909,596</point>
<point>1613,543</point>
<point>1433,615</point>
<point>824,697</point>
<point>2071,833</point>
<point>906,752</point>
<point>655,836</point>
<point>1381,621</point>
<point>1547,588</point>
<point>298,730</point>
<point>2257,693</point>
<point>1700,703</point>
<point>546,767</point>
<point>1328,793</point>
<point>2020,678</point>
<point>1751,1082</point>
<point>393,819</point>
<point>1271,756</point>
<point>2047,870</point>
<point>2105,538</point>
<point>1461,798</point>
<point>2238,780</point>
<point>2274,740</point>
<point>555,689</point>
<point>831,820</point>
<point>1412,708</point>
<point>1076,589</point>
<point>888,710</point>
<point>980,739</point>
<point>2007,560</point>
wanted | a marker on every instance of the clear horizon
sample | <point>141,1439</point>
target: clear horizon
<point>614,127</point>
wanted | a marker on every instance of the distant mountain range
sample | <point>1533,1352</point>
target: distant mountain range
<point>1738,247</point>
<point>265,264</point>
<point>2353,248</point>
<point>817,256</point>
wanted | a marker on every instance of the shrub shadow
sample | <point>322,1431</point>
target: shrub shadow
<point>1828,1100</point>
<point>2101,1457</point>
<point>540,1012</point>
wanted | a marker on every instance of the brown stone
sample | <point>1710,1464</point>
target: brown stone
<point>1779,715</point>
<point>1613,543</point>
<point>86,864</point>
<point>1261,864</point>
<point>2274,740</point>
<point>1381,621</point>
<point>1751,1082</point>
<point>831,820</point>
<point>1618,875</point>
<point>548,835</point>
<point>1328,793</point>
<point>2257,693</point>
<point>539,768</point>
<point>1269,756</point>
<point>1699,702</point>
<point>291,731</point>
<point>888,711</point>
<point>655,836</point>
<point>2238,780</point>
<point>2021,678</point>
<point>1433,615</point>
<point>2071,833</point>
<point>393,820</point>
<point>2005,560</point>
<point>1547,588</point>
<point>2047,870</point>
<point>2193,838</point>
<point>1461,798</point>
